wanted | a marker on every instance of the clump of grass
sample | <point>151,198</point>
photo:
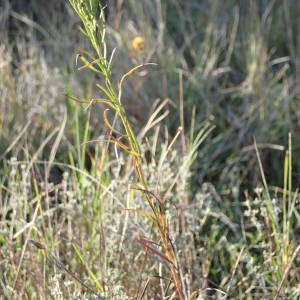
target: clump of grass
<point>94,29</point>
<point>73,234</point>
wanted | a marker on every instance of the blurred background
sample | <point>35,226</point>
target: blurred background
<point>238,60</point>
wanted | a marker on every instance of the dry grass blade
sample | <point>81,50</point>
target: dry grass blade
<point>11,146</point>
<point>286,272</point>
<point>60,265</point>
<point>145,244</point>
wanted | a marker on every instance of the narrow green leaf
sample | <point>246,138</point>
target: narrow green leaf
<point>91,273</point>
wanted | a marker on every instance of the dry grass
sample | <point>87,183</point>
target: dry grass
<point>69,227</point>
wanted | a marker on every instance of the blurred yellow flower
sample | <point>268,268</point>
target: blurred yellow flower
<point>138,43</point>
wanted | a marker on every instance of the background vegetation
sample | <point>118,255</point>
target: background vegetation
<point>227,71</point>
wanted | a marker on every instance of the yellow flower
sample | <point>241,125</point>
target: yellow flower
<point>138,43</point>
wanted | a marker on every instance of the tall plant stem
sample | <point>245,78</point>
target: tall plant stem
<point>94,29</point>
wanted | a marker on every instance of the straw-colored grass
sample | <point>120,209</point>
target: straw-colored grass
<point>187,187</point>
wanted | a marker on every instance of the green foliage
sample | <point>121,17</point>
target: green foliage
<point>91,199</point>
